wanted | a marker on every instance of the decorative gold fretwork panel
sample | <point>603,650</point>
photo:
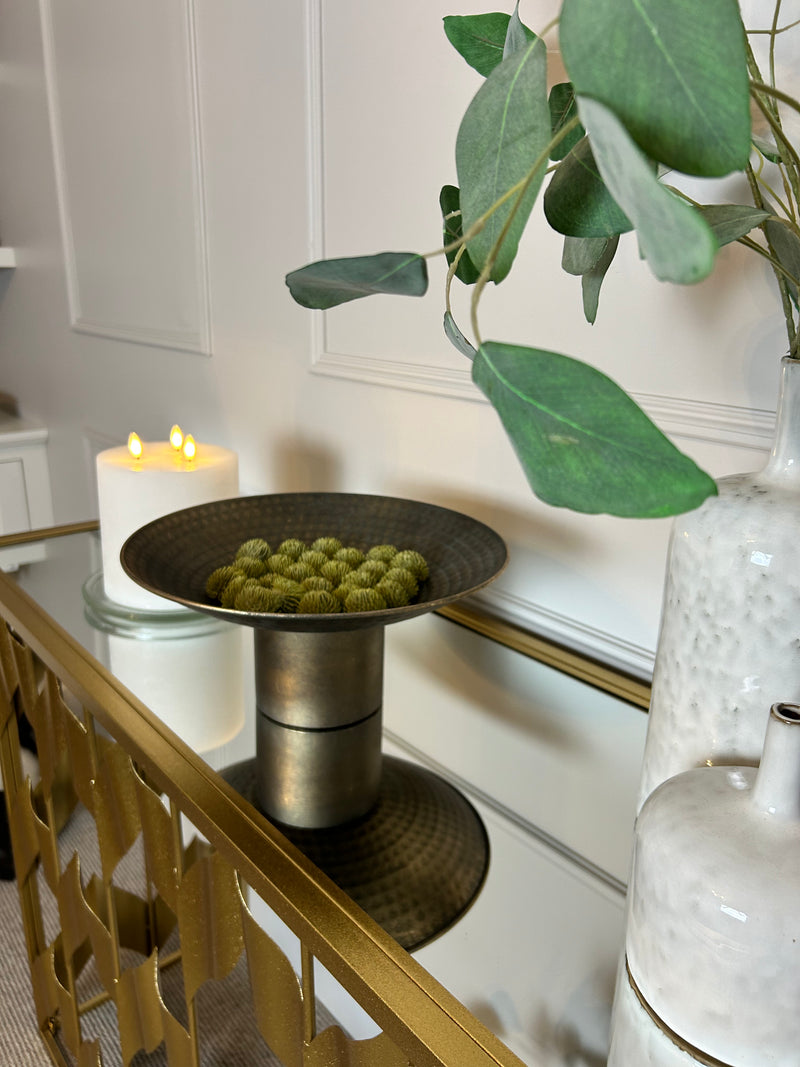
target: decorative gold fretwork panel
<point>141,943</point>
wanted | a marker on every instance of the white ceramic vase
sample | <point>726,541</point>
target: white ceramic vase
<point>713,932</point>
<point>729,643</point>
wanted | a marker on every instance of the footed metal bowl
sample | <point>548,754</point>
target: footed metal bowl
<point>174,555</point>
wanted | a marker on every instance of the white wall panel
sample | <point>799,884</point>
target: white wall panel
<point>126,143</point>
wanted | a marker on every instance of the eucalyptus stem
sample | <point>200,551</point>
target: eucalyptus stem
<point>775,17</point>
<point>521,188</point>
<point>778,270</point>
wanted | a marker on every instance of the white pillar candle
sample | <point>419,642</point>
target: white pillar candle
<point>132,492</point>
<point>194,684</point>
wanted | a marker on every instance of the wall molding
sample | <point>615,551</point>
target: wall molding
<point>197,340</point>
<point>723,424</point>
<point>568,631</point>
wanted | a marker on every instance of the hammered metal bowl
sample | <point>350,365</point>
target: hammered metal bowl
<point>174,555</point>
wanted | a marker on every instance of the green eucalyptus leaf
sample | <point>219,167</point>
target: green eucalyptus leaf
<point>768,150</point>
<point>581,254</point>
<point>673,71</point>
<point>450,204</point>
<point>729,222</point>
<point>456,337</point>
<point>562,108</point>
<point>505,130</point>
<point>592,280</point>
<point>330,282</point>
<point>577,202</point>
<point>786,247</point>
<point>677,243</point>
<point>583,443</point>
<point>518,35</point>
<point>479,39</point>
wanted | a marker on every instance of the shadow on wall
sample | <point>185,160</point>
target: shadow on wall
<point>304,467</point>
<point>485,676</point>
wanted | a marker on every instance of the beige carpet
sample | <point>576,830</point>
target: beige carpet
<point>228,1035</point>
<point>20,1044</point>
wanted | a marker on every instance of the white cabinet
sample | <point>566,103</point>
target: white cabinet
<point>25,499</point>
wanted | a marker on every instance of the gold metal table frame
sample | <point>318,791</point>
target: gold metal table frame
<point>105,757</point>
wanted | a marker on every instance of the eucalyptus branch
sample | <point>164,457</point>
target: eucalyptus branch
<point>754,246</point>
<point>775,17</point>
<point>788,208</point>
<point>521,188</point>
<point>775,32</point>
<point>777,94</point>
<point>777,268</point>
<point>789,174</point>
<point>451,273</point>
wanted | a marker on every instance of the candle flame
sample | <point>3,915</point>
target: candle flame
<point>135,445</point>
<point>176,437</point>
<point>189,447</point>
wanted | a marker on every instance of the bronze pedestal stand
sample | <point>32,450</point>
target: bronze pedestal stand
<point>406,845</point>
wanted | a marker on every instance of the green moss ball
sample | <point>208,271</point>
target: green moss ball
<point>318,602</point>
<point>357,580</point>
<point>316,581</point>
<point>290,591</point>
<point>393,593</point>
<point>313,559</point>
<point>402,577</point>
<point>412,561</point>
<point>384,553</point>
<point>256,547</point>
<point>364,600</point>
<point>374,569</point>
<point>329,546</point>
<point>228,595</point>
<point>292,548</point>
<point>279,564</point>
<point>299,571</point>
<point>256,598</point>
<point>218,579</point>
<point>335,570</point>
<point>249,566</point>
<point>354,557</point>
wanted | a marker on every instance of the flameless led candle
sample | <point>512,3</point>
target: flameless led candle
<point>142,481</point>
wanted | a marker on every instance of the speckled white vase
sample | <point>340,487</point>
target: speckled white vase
<point>729,643</point>
<point>713,932</point>
<point>639,1039</point>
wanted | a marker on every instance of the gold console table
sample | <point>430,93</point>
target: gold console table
<point>107,926</point>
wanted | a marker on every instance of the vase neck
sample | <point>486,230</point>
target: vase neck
<point>784,461</point>
<point>777,786</point>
